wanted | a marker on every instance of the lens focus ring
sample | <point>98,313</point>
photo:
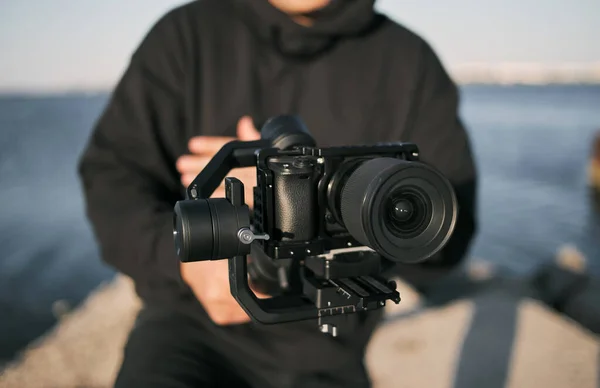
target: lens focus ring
<point>406,211</point>
<point>354,195</point>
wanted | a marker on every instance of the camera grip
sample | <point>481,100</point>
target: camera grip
<point>295,200</point>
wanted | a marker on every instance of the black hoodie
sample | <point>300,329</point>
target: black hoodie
<point>354,77</point>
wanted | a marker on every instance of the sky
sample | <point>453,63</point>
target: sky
<point>74,44</point>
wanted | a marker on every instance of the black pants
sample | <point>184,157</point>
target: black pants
<point>168,349</point>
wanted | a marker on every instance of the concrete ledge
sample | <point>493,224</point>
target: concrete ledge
<point>84,350</point>
<point>431,347</point>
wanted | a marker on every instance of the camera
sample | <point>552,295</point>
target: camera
<point>325,222</point>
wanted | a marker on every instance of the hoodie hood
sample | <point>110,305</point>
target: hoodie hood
<point>339,19</point>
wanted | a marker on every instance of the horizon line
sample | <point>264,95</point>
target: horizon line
<point>27,92</point>
<point>465,73</point>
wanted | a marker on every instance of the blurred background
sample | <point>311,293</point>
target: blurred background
<point>529,73</point>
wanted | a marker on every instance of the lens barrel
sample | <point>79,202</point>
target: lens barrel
<point>406,211</point>
<point>207,229</point>
<point>287,131</point>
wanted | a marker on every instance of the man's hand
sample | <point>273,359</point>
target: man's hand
<point>203,148</point>
<point>209,280</point>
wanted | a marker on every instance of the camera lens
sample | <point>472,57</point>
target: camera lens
<point>406,211</point>
<point>401,210</point>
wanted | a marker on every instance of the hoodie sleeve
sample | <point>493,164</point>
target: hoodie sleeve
<point>127,169</point>
<point>435,126</point>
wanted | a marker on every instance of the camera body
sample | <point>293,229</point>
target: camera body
<point>310,205</point>
<point>314,200</point>
<point>298,194</point>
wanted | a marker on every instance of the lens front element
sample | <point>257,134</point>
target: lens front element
<point>406,211</point>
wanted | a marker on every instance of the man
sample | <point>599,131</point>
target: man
<point>212,70</point>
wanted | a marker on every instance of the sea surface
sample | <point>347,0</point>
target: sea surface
<point>532,146</point>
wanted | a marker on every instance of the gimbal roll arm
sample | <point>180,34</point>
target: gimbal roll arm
<point>283,132</point>
<point>235,154</point>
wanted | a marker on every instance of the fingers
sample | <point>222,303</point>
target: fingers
<point>189,166</point>
<point>208,144</point>
<point>203,149</point>
<point>246,130</point>
<point>230,312</point>
<point>212,144</point>
<point>229,318</point>
<point>259,295</point>
<point>187,179</point>
<point>210,282</point>
<point>192,163</point>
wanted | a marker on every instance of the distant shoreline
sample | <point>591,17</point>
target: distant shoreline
<point>104,92</point>
<point>510,74</point>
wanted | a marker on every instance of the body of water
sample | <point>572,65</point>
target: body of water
<point>532,146</point>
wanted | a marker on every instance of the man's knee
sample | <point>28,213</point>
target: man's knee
<point>164,350</point>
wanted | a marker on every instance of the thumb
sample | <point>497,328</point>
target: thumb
<point>246,130</point>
